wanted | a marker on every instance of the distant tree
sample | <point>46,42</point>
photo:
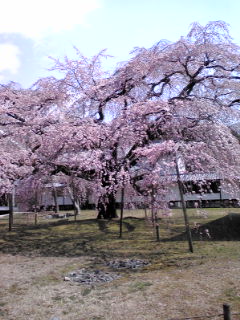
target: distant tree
<point>183,94</point>
<point>174,99</point>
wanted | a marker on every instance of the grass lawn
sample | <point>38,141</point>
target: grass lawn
<point>35,258</point>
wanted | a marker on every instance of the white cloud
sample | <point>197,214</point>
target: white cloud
<point>38,18</point>
<point>9,58</point>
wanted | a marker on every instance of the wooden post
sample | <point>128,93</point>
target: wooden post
<point>121,213</point>
<point>226,312</point>
<point>145,211</point>
<point>155,216</point>
<point>11,208</point>
<point>188,231</point>
<point>35,218</point>
<point>220,195</point>
<point>157,232</point>
<point>77,207</point>
<point>55,198</point>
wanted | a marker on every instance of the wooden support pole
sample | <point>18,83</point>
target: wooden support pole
<point>55,198</point>
<point>11,208</point>
<point>121,213</point>
<point>157,233</point>
<point>188,231</point>
<point>226,312</point>
<point>35,218</point>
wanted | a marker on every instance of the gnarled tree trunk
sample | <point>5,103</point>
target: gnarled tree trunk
<point>107,209</point>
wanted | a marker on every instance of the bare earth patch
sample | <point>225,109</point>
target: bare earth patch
<point>33,288</point>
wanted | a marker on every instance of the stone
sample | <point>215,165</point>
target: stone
<point>127,264</point>
<point>67,279</point>
<point>84,276</point>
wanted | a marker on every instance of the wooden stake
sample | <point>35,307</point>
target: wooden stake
<point>11,208</point>
<point>226,312</point>
<point>121,213</point>
<point>157,233</point>
<point>188,231</point>
<point>36,218</point>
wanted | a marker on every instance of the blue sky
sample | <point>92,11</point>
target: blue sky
<point>35,30</point>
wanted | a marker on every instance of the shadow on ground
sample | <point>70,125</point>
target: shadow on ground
<point>62,238</point>
<point>100,238</point>
<point>226,228</point>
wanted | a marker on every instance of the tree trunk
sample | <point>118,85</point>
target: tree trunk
<point>107,210</point>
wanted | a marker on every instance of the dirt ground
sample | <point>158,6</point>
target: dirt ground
<point>33,288</point>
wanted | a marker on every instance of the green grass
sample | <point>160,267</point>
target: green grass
<point>100,239</point>
<point>28,218</point>
<point>139,286</point>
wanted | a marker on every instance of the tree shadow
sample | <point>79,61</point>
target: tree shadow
<point>101,239</point>
<point>62,238</point>
<point>226,228</point>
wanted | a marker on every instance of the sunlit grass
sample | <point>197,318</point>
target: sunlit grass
<point>100,238</point>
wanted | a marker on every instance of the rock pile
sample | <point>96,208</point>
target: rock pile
<point>127,264</point>
<point>84,276</point>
